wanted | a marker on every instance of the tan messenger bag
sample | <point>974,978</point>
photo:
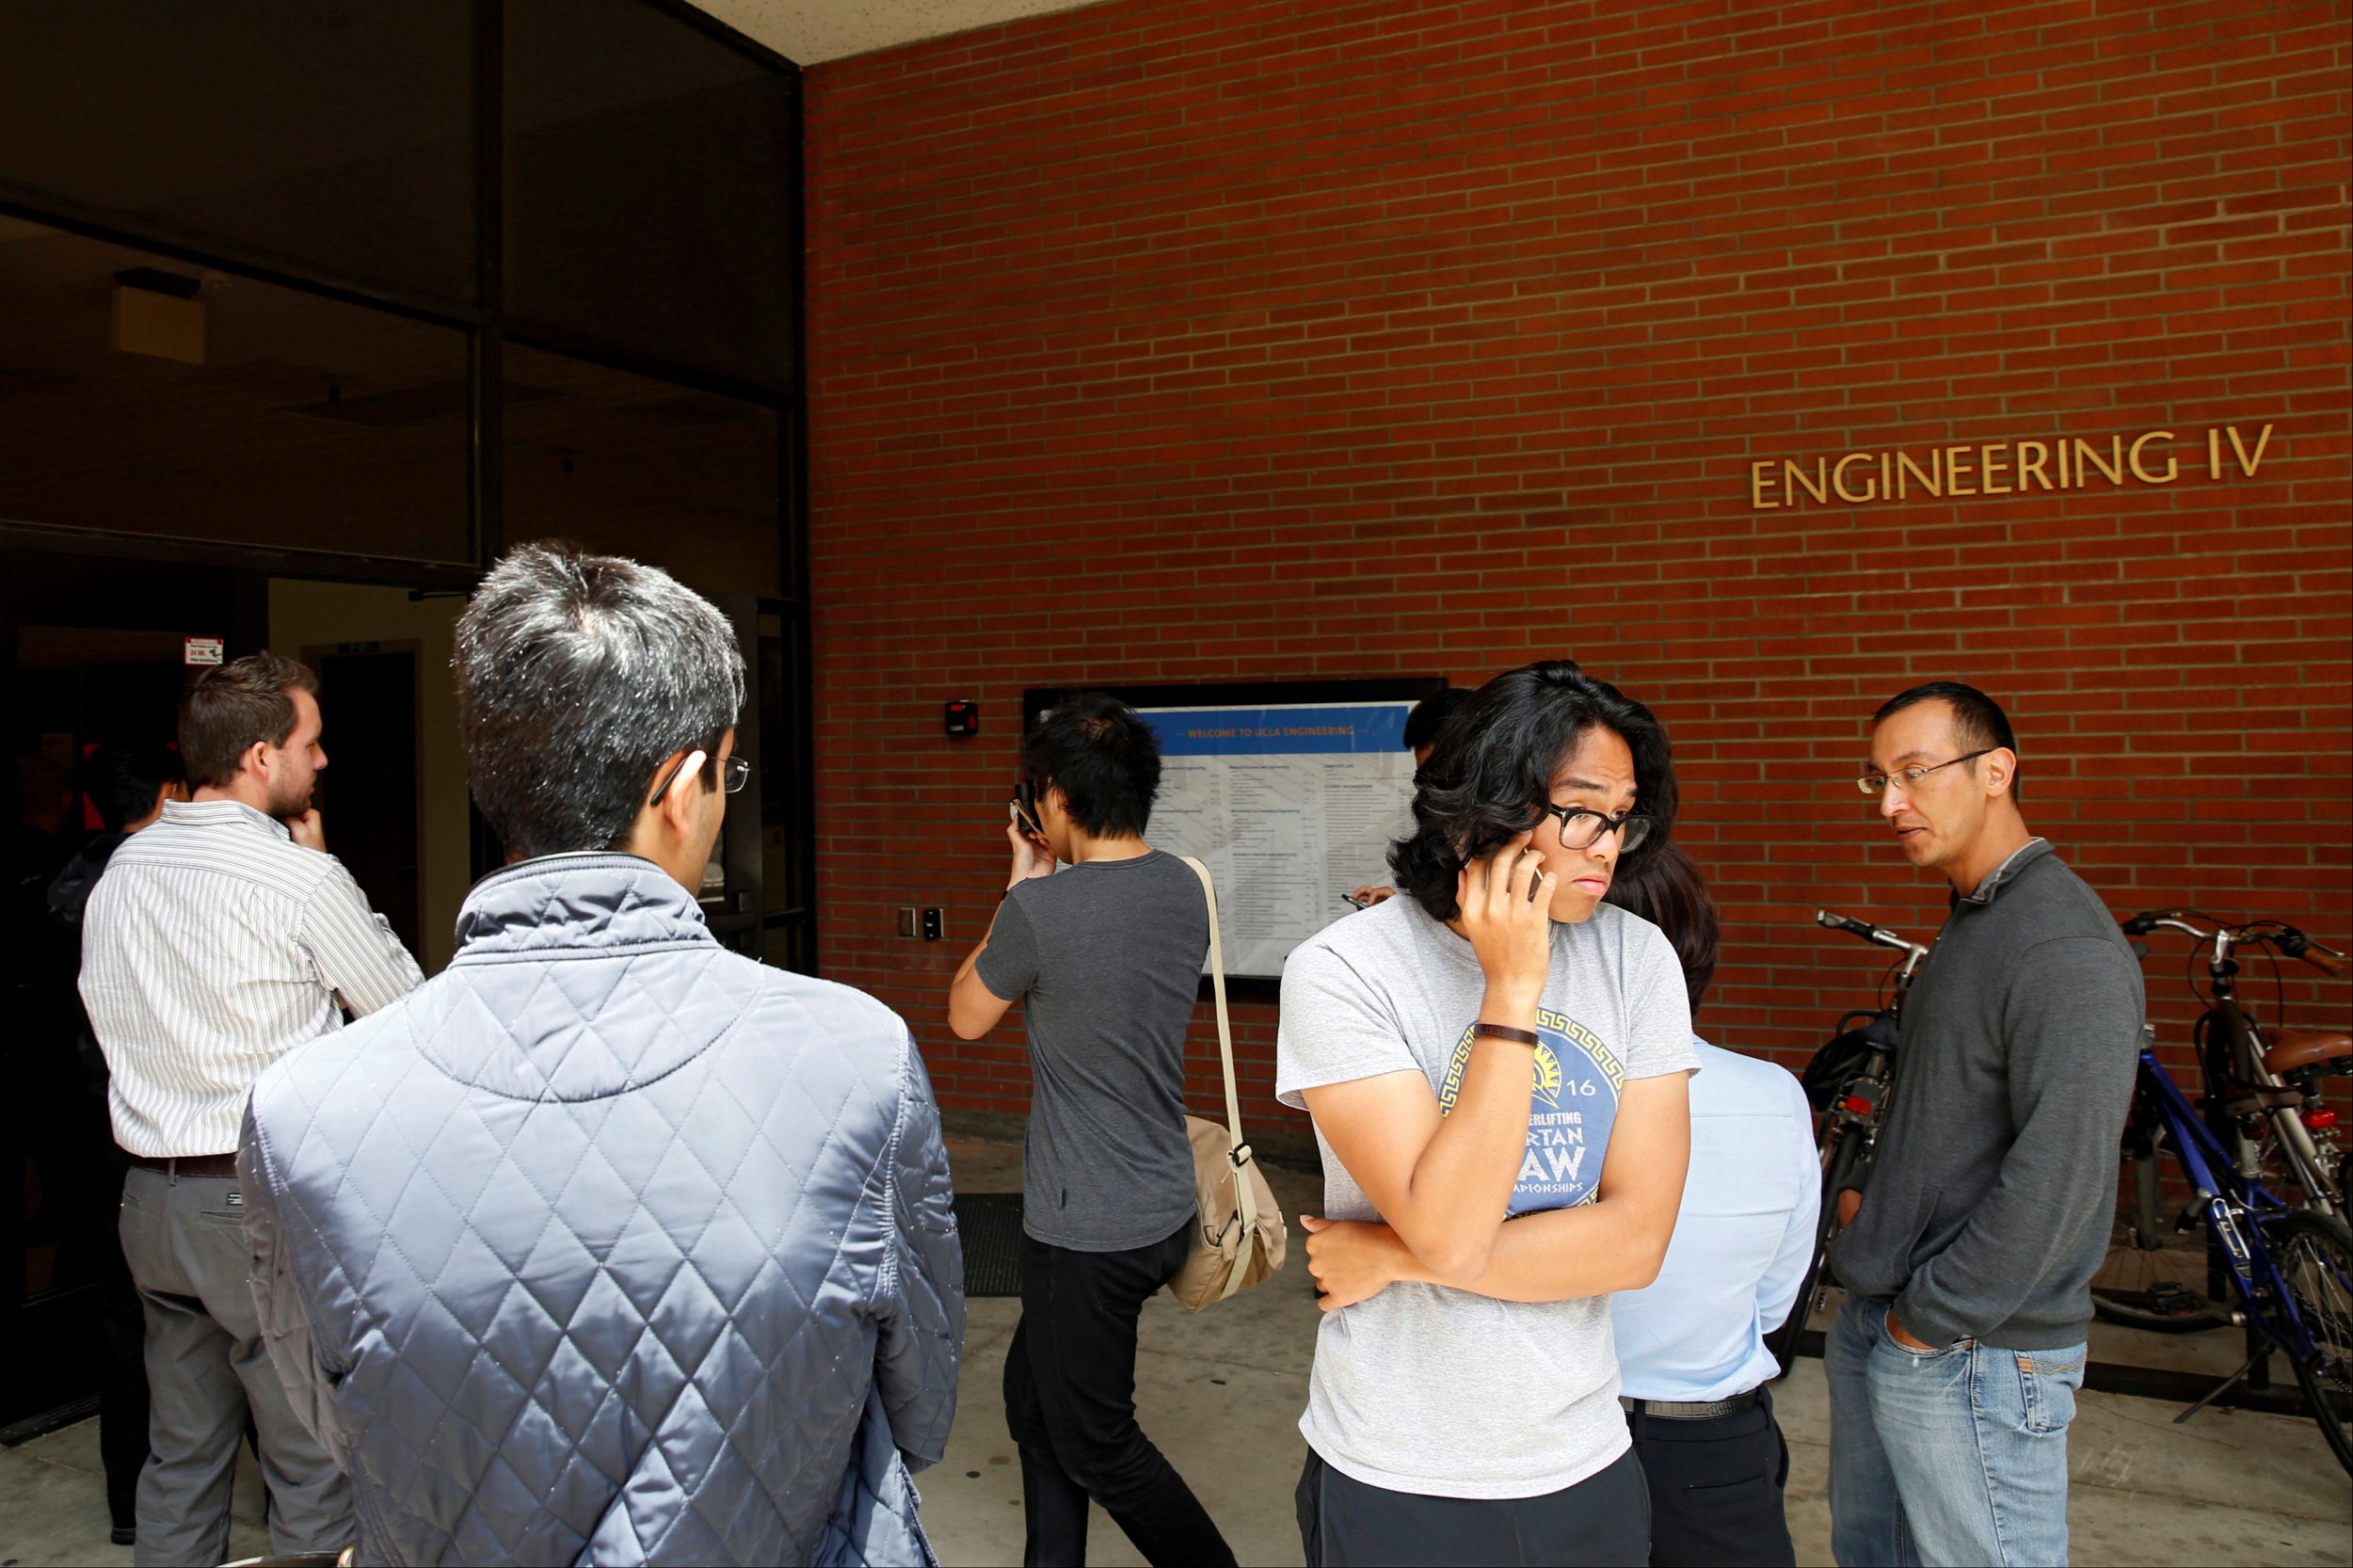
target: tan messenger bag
<point>1240,1241</point>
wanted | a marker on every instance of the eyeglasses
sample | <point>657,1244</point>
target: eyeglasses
<point>1581,828</point>
<point>1877,783</point>
<point>732,775</point>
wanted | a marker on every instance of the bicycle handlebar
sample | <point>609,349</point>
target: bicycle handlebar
<point>1878,934</point>
<point>2291,942</point>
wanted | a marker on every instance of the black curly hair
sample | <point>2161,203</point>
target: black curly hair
<point>1492,776</point>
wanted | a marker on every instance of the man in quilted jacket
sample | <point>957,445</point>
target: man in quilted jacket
<point>607,1244</point>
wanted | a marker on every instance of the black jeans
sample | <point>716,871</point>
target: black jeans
<point>1716,1489</point>
<point>1346,1523</point>
<point>1070,1385</point>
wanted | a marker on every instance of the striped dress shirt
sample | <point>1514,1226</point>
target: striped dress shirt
<point>213,946</point>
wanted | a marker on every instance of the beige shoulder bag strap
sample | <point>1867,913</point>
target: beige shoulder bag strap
<point>1245,1198</point>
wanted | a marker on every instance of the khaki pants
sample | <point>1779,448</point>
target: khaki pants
<point>206,1370</point>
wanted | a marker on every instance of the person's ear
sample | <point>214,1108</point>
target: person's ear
<point>2001,766</point>
<point>681,803</point>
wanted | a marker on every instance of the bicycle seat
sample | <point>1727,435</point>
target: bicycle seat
<point>2291,1048</point>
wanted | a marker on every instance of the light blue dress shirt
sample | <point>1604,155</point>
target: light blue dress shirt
<point>1743,1236</point>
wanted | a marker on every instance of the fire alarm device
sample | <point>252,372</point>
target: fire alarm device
<point>963,716</point>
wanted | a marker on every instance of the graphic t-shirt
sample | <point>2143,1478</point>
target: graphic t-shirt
<point>1574,1103</point>
<point>1428,1389</point>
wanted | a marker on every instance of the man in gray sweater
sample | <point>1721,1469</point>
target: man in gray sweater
<point>1954,1365</point>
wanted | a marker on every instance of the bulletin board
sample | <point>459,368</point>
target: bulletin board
<point>1289,791</point>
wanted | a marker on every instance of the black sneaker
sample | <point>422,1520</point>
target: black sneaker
<point>124,1535</point>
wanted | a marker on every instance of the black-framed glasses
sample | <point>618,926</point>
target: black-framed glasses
<point>1877,783</point>
<point>1581,828</point>
<point>733,774</point>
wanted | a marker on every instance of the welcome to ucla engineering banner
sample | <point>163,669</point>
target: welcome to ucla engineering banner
<point>1292,806</point>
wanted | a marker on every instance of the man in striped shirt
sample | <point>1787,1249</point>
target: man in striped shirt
<point>220,939</point>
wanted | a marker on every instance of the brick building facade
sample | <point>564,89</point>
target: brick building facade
<point>1176,340</point>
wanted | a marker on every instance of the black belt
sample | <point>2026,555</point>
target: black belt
<point>1700,1410</point>
<point>188,1166</point>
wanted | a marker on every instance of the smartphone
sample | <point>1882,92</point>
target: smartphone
<point>1025,808</point>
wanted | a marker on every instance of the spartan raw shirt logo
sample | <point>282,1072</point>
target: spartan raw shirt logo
<point>1575,1102</point>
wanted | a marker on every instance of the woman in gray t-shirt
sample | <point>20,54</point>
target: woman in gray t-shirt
<point>1492,1044</point>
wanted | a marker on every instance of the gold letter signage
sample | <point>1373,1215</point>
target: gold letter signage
<point>1996,468</point>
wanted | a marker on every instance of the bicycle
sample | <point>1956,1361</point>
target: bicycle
<point>2262,1102</point>
<point>2287,1267</point>
<point>1847,1082</point>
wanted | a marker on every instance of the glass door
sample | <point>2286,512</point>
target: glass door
<point>69,683</point>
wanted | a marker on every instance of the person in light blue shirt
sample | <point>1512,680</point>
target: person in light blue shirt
<point>1692,1366</point>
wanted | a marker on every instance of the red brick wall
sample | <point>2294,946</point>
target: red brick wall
<point>1238,338</point>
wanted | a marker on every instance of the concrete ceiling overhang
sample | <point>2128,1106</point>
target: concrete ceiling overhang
<point>811,31</point>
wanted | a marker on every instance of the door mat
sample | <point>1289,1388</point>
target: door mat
<point>989,1224</point>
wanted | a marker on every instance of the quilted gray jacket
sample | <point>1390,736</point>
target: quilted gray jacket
<point>607,1245</point>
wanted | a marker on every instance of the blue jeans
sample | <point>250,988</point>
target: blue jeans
<point>1948,1456</point>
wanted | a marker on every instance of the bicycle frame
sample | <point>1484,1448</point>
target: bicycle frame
<point>2243,1046</point>
<point>2242,1059</point>
<point>1848,1134</point>
<point>2236,1208</point>
<point>1864,1116</point>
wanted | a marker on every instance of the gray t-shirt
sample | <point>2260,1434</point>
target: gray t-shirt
<point>1425,1388</point>
<point>1105,957</point>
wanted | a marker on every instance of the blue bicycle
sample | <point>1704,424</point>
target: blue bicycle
<point>2285,1270</point>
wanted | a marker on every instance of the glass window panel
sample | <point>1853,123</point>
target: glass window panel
<point>684,480</point>
<point>193,403</point>
<point>337,134</point>
<point>648,187</point>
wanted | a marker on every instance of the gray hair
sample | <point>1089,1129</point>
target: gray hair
<point>577,674</point>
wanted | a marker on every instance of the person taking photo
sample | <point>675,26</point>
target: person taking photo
<point>1105,959</point>
<point>1495,1045</point>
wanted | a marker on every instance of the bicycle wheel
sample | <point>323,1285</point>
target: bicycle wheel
<point>2148,1278</point>
<point>1845,1150</point>
<point>2315,1253</point>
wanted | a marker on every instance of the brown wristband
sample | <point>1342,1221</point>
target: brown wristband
<point>1502,1032</point>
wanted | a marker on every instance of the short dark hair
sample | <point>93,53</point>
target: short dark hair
<point>577,674</point>
<point>120,782</point>
<point>1494,776</point>
<point>232,707</point>
<point>1668,890</point>
<point>1429,716</point>
<point>1978,722</point>
<point>1103,758</point>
